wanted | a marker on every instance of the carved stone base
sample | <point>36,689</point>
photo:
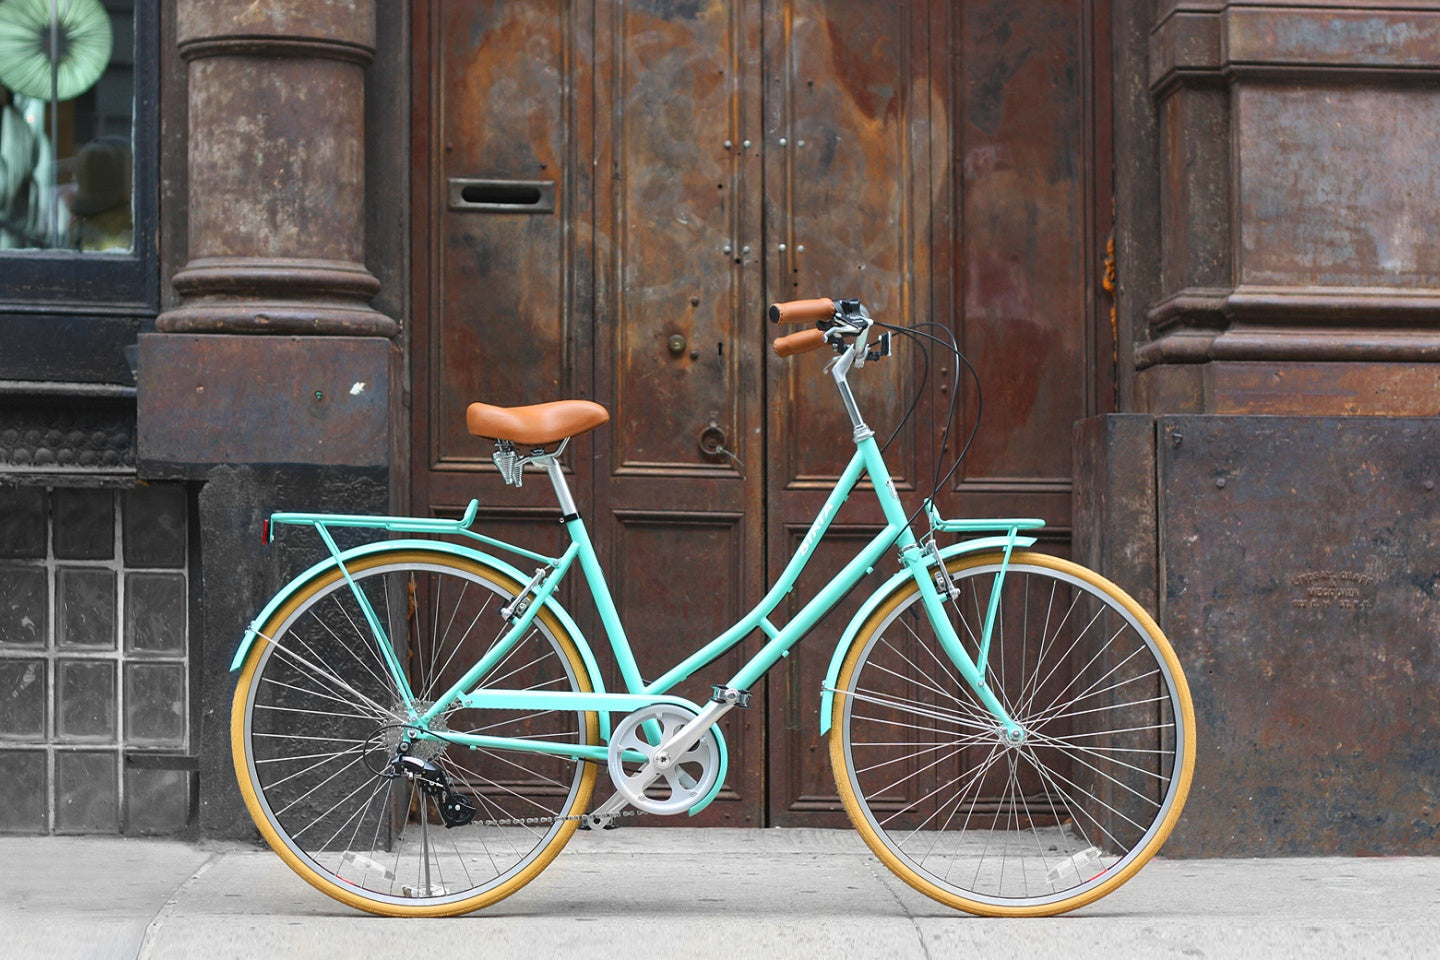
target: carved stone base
<point>276,295</point>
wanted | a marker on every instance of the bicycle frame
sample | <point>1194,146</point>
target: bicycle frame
<point>922,562</point>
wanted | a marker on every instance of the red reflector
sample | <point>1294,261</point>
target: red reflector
<point>265,533</point>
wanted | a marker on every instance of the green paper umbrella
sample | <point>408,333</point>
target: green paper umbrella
<point>82,41</point>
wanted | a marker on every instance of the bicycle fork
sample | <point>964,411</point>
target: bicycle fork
<point>915,557</point>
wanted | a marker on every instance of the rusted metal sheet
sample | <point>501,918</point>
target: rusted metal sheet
<point>214,399</point>
<point>1114,502</point>
<point>1302,592</point>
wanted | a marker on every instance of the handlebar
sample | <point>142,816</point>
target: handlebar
<point>802,342</point>
<point>802,311</point>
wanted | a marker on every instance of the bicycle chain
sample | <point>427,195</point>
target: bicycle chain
<point>535,821</point>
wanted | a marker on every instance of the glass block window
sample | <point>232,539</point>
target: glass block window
<point>95,685</point>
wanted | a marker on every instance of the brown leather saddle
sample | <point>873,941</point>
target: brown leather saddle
<point>537,424</point>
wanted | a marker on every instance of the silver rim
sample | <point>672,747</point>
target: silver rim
<point>322,718</point>
<point>1006,824</point>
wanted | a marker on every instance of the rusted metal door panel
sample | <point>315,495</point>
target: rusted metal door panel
<point>676,348</point>
<point>497,90</point>
<point>635,290</point>
<point>846,198</point>
<point>499,85</point>
<point>848,97</point>
<point>1026,264</point>
<point>940,162</point>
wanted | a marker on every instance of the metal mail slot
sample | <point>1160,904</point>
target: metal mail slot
<point>502,196</point>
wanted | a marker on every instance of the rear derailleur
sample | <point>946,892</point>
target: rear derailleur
<point>456,810</point>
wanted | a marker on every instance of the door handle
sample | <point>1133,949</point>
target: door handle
<point>712,444</point>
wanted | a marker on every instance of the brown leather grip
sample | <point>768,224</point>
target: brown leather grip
<point>802,342</point>
<point>802,311</point>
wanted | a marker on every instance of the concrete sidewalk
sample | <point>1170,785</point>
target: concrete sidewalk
<point>683,893</point>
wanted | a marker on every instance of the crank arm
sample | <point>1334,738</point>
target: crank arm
<point>690,734</point>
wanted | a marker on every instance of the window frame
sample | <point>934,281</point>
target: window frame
<point>123,284</point>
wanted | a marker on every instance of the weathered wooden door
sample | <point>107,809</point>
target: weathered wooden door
<point>606,195</point>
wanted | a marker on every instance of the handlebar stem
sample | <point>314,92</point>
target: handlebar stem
<point>840,371</point>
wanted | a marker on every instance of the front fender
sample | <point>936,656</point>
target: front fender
<point>438,546</point>
<point>981,545</point>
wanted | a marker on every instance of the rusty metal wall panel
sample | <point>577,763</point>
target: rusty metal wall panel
<point>1337,185</point>
<point>1301,591</point>
<point>212,399</point>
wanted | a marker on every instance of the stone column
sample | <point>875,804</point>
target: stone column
<point>1300,260</point>
<point>277,169</point>
<point>270,383</point>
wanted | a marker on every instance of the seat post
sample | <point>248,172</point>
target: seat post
<point>562,488</point>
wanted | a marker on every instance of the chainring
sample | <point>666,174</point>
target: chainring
<point>674,788</point>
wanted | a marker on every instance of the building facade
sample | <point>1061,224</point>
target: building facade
<point>1187,246</point>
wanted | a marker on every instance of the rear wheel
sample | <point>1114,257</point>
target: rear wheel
<point>975,819</point>
<point>317,718</point>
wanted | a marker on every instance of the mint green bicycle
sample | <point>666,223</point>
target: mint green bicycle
<point>418,724</point>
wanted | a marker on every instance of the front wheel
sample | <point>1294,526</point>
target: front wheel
<point>317,719</point>
<point>1000,825</point>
